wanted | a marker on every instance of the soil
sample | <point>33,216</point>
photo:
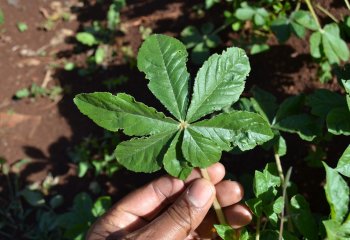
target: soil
<point>43,130</point>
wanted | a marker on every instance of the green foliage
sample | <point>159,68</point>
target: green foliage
<point>96,155</point>
<point>200,41</point>
<point>84,212</point>
<point>86,38</point>
<point>296,23</point>
<point>37,91</point>
<point>186,142</point>
<point>113,14</point>
<point>258,15</point>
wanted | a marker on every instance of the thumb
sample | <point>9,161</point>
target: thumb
<point>181,218</point>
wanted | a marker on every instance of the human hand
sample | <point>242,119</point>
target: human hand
<point>172,209</point>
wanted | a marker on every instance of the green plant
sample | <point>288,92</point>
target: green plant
<point>200,41</point>
<point>37,91</point>
<point>179,145</point>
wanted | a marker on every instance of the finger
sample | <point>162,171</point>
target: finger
<point>183,217</point>
<point>229,193</point>
<point>216,173</point>
<point>238,215</point>
<point>137,208</point>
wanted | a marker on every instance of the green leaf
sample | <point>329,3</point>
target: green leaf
<point>259,48</point>
<point>281,28</point>
<point>304,125</point>
<point>334,46</point>
<point>315,43</point>
<point>245,12</point>
<point>163,60</point>
<point>33,197</point>
<point>121,111</point>
<point>101,205</point>
<point>199,150</point>
<point>265,183</point>
<point>322,101</point>
<point>219,83</point>
<point>242,129</point>
<point>83,167</point>
<point>174,162</point>
<point>99,55</point>
<point>200,53</point>
<point>86,38</point>
<point>343,165</point>
<point>22,93</point>
<point>305,19</point>
<point>336,231</point>
<point>338,121</point>
<point>303,218</point>
<point>290,106</point>
<point>144,154</point>
<point>264,103</point>
<point>280,146</point>
<point>226,232</point>
<point>337,193</point>
<point>22,27</point>
<point>256,206</point>
<point>191,36</point>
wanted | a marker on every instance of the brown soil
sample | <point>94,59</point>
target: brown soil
<point>44,130</point>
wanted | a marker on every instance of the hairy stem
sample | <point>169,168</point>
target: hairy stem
<point>312,11</point>
<point>279,167</point>
<point>325,11</point>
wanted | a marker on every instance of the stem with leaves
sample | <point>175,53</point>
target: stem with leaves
<point>313,14</point>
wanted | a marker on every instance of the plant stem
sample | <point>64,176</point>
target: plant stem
<point>297,6</point>
<point>325,11</point>
<point>284,186</point>
<point>347,4</point>
<point>279,167</point>
<point>285,198</point>
<point>257,233</point>
<point>312,11</point>
<point>216,205</point>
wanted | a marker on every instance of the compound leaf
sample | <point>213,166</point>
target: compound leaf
<point>219,83</point>
<point>121,111</point>
<point>144,154</point>
<point>163,60</point>
<point>199,150</point>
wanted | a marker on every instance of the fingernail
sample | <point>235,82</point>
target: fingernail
<point>200,193</point>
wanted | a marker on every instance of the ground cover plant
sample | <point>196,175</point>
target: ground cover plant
<point>280,127</point>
